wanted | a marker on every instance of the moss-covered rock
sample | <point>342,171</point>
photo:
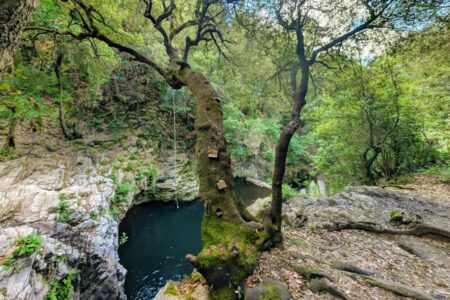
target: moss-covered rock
<point>268,289</point>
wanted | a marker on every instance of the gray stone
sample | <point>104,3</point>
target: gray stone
<point>268,287</point>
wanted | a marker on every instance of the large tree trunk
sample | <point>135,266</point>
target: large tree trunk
<point>14,15</point>
<point>230,241</point>
<point>281,153</point>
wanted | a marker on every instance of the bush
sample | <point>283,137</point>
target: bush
<point>288,192</point>
<point>122,191</point>
<point>25,247</point>
<point>62,290</point>
<point>63,210</point>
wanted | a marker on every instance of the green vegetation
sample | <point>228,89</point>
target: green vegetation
<point>150,174</point>
<point>63,289</point>
<point>123,238</point>
<point>294,100</point>
<point>288,192</point>
<point>171,289</point>
<point>65,213</point>
<point>271,294</point>
<point>122,191</point>
<point>24,247</point>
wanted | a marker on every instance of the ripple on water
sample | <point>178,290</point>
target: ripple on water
<point>159,237</point>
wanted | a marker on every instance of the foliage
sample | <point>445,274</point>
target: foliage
<point>123,239</point>
<point>150,174</point>
<point>65,213</point>
<point>63,289</point>
<point>288,191</point>
<point>24,247</point>
<point>122,191</point>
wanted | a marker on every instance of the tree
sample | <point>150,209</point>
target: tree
<point>14,16</point>
<point>230,237</point>
<point>318,30</point>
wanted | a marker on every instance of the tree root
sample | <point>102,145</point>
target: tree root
<point>411,249</point>
<point>419,230</point>
<point>320,286</point>
<point>396,288</point>
<point>399,187</point>
<point>317,282</point>
<point>348,267</point>
<point>311,272</point>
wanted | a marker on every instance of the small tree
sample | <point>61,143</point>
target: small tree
<point>316,31</point>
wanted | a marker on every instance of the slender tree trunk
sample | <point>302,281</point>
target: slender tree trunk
<point>281,153</point>
<point>61,116</point>
<point>368,163</point>
<point>14,15</point>
<point>10,141</point>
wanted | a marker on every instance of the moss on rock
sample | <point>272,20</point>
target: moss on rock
<point>229,253</point>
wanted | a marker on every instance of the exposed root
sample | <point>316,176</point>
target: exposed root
<point>311,272</point>
<point>398,289</point>
<point>399,187</point>
<point>348,267</point>
<point>411,249</point>
<point>320,286</point>
<point>419,230</point>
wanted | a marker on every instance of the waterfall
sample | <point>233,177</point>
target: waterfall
<point>175,146</point>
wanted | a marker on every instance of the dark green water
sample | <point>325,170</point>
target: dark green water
<point>248,192</point>
<point>160,236</point>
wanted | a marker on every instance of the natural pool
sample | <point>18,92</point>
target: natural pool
<point>160,236</point>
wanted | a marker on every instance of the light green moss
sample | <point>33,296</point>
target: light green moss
<point>395,213</point>
<point>271,293</point>
<point>229,247</point>
<point>225,293</point>
<point>171,289</point>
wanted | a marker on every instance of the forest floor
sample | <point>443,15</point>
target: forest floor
<point>420,264</point>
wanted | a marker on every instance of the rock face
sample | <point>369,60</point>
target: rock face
<point>31,192</point>
<point>176,181</point>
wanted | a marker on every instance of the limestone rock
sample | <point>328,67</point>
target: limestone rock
<point>30,193</point>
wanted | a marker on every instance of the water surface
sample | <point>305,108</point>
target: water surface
<point>159,237</point>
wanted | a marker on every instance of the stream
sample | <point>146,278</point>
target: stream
<point>160,236</point>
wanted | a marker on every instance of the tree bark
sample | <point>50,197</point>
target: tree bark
<point>14,16</point>
<point>62,119</point>
<point>9,141</point>
<point>230,241</point>
<point>282,150</point>
<point>368,163</point>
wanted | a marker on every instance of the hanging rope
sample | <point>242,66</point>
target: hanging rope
<point>175,146</point>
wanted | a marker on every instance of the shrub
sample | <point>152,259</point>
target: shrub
<point>25,247</point>
<point>123,238</point>
<point>122,191</point>
<point>288,191</point>
<point>63,289</point>
<point>63,210</point>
